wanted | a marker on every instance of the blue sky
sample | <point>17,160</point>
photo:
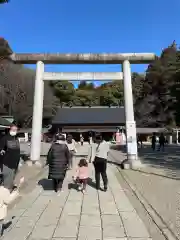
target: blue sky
<point>90,26</point>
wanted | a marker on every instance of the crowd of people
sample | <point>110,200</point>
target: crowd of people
<point>60,158</point>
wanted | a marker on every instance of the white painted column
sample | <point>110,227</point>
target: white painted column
<point>37,113</point>
<point>177,136</point>
<point>131,139</point>
<point>170,139</point>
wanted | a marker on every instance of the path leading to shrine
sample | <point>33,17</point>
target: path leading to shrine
<point>96,215</point>
<point>157,184</point>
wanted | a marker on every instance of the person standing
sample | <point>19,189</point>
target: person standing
<point>81,139</point>
<point>58,160</point>
<point>10,151</point>
<point>161,142</point>
<point>72,149</point>
<point>153,141</point>
<point>100,161</point>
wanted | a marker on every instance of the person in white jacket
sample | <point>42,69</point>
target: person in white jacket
<point>72,148</point>
<point>100,161</point>
<point>6,198</point>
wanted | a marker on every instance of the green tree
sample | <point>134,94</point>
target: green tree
<point>63,90</point>
<point>157,108</point>
<point>4,1</point>
<point>110,93</point>
<point>84,97</point>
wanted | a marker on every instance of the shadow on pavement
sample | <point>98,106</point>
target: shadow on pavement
<point>5,227</point>
<point>46,184</point>
<point>166,162</point>
<point>74,185</point>
<point>91,183</point>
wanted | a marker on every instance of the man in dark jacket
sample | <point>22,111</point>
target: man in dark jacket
<point>58,160</point>
<point>10,152</point>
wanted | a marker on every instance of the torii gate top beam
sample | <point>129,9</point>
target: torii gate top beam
<point>72,58</point>
<point>85,58</point>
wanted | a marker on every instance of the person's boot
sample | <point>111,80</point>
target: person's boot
<point>97,187</point>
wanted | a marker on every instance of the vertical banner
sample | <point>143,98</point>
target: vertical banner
<point>131,137</point>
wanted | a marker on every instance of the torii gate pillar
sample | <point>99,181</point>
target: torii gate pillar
<point>131,139</point>
<point>37,114</point>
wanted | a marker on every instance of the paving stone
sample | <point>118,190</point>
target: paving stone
<point>18,234</point>
<point>122,202</point>
<point>51,211</point>
<point>75,196</point>
<point>140,238</point>
<point>106,196</point>
<point>33,212</point>
<point>24,204</point>
<point>133,225</point>
<point>90,232</point>
<point>26,221</point>
<point>58,201</point>
<point>42,201</point>
<point>43,232</point>
<point>64,238</point>
<point>16,213</point>
<point>114,231</point>
<point>89,238</point>
<point>67,226</point>
<point>50,193</point>
<point>46,220</point>
<point>69,220</point>
<point>72,208</point>
<point>66,231</point>
<point>90,220</point>
<point>91,210</point>
<point>90,204</point>
<point>109,208</point>
<point>112,238</point>
<point>108,220</point>
<point>72,215</point>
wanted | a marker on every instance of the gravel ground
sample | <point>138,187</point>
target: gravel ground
<point>162,194</point>
<point>158,182</point>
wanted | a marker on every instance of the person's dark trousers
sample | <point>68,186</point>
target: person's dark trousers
<point>8,177</point>
<point>100,166</point>
<point>81,143</point>
<point>57,184</point>
<point>161,146</point>
<point>1,227</point>
<point>153,146</point>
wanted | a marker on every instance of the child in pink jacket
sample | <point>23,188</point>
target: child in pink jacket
<point>81,176</point>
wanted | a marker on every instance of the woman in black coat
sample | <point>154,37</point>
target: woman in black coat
<point>58,160</point>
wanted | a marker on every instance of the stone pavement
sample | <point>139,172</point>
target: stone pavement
<point>158,184</point>
<point>96,215</point>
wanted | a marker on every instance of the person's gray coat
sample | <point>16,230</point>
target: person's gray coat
<point>58,159</point>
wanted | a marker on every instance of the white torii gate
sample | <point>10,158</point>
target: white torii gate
<point>125,59</point>
<point>42,76</point>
